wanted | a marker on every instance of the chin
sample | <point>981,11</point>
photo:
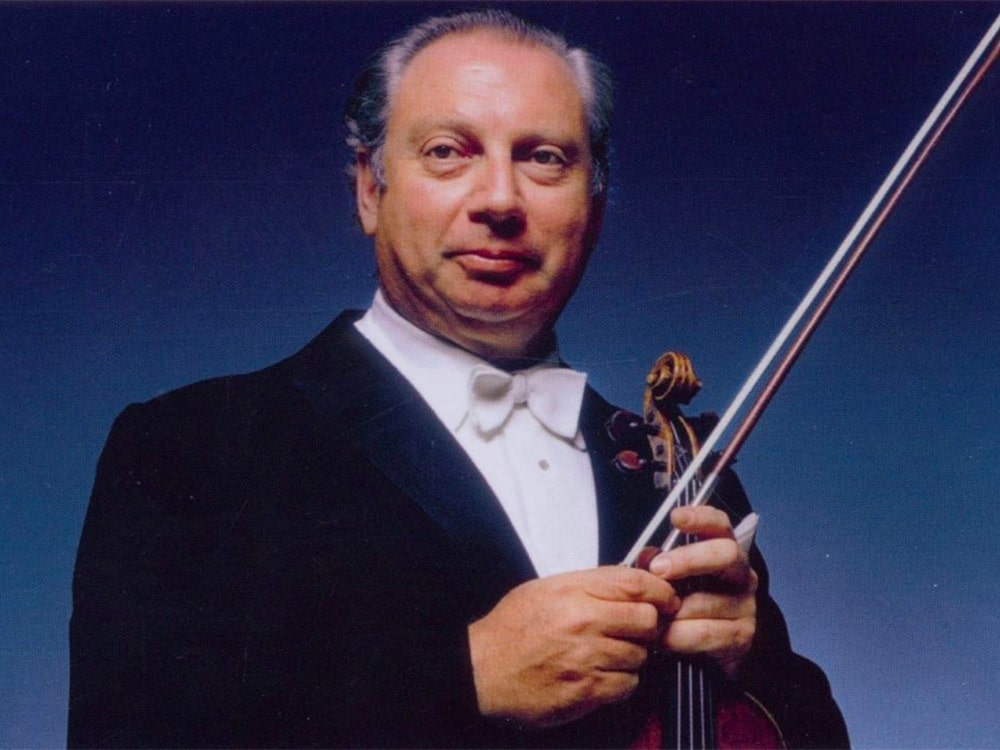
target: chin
<point>498,313</point>
<point>491,303</point>
<point>509,324</point>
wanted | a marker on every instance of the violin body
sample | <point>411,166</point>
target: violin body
<point>738,722</point>
<point>742,722</point>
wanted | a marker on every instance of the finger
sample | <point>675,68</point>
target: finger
<point>621,656</point>
<point>721,639</point>
<point>703,605</point>
<point>620,584</point>
<point>703,520</point>
<point>606,687</point>
<point>615,686</point>
<point>636,621</point>
<point>721,558</point>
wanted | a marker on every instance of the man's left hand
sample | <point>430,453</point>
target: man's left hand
<point>718,618</point>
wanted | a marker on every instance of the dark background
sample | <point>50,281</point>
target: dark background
<point>173,206</point>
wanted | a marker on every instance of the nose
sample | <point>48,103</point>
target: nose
<point>497,201</point>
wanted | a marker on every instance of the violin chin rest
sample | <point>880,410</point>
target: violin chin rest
<point>745,531</point>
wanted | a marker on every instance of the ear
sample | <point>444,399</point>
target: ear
<point>367,192</point>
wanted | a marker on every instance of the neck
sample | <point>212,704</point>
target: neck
<point>544,353</point>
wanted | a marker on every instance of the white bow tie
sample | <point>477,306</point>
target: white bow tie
<point>552,394</point>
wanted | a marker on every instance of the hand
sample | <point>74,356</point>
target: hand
<point>554,649</point>
<point>719,618</point>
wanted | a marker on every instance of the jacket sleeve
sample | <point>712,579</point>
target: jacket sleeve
<point>791,689</point>
<point>132,634</point>
<point>221,599</point>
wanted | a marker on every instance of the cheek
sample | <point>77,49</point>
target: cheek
<point>566,225</point>
<point>428,208</point>
<point>407,224</point>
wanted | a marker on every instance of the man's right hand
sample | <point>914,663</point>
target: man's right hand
<point>554,649</point>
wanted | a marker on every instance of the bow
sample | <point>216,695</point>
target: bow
<point>552,394</point>
<point>845,259</point>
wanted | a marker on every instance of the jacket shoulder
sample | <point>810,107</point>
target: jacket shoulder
<point>244,398</point>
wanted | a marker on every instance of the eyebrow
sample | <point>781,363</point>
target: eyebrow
<point>419,128</point>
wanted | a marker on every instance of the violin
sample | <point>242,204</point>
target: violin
<point>694,709</point>
<point>702,712</point>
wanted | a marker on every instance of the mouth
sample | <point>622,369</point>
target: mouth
<point>499,264</point>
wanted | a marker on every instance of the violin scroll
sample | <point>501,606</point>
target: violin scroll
<point>671,381</point>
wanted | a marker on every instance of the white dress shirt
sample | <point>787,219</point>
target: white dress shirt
<point>544,481</point>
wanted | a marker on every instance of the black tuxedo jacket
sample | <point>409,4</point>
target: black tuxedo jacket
<point>292,558</point>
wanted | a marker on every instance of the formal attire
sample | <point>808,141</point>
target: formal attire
<point>520,430</point>
<point>292,558</point>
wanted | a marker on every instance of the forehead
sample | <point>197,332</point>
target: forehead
<point>473,70</point>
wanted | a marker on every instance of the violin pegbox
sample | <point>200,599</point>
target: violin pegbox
<point>650,442</point>
<point>630,433</point>
<point>671,381</point>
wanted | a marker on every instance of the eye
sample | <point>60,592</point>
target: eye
<point>546,162</point>
<point>444,156</point>
<point>442,151</point>
<point>547,157</point>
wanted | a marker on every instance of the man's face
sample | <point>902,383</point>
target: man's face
<point>486,220</point>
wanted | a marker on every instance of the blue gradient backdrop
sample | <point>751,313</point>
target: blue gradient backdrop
<point>173,206</point>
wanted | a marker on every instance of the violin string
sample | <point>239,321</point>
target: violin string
<point>679,722</point>
<point>934,125</point>
<point>691,681</point>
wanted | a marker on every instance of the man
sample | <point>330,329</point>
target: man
<point>405,534</point>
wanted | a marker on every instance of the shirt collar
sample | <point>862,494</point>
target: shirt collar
<point>438,369</point>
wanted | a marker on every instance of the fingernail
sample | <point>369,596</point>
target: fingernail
<point>660,566</point>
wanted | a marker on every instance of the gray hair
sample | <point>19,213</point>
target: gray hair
<point>367,112</point>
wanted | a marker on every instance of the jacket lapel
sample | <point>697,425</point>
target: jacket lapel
<point>366,402</point>
<point>625,500</point>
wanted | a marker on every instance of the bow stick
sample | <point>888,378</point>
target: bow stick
<point>845,258</point>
